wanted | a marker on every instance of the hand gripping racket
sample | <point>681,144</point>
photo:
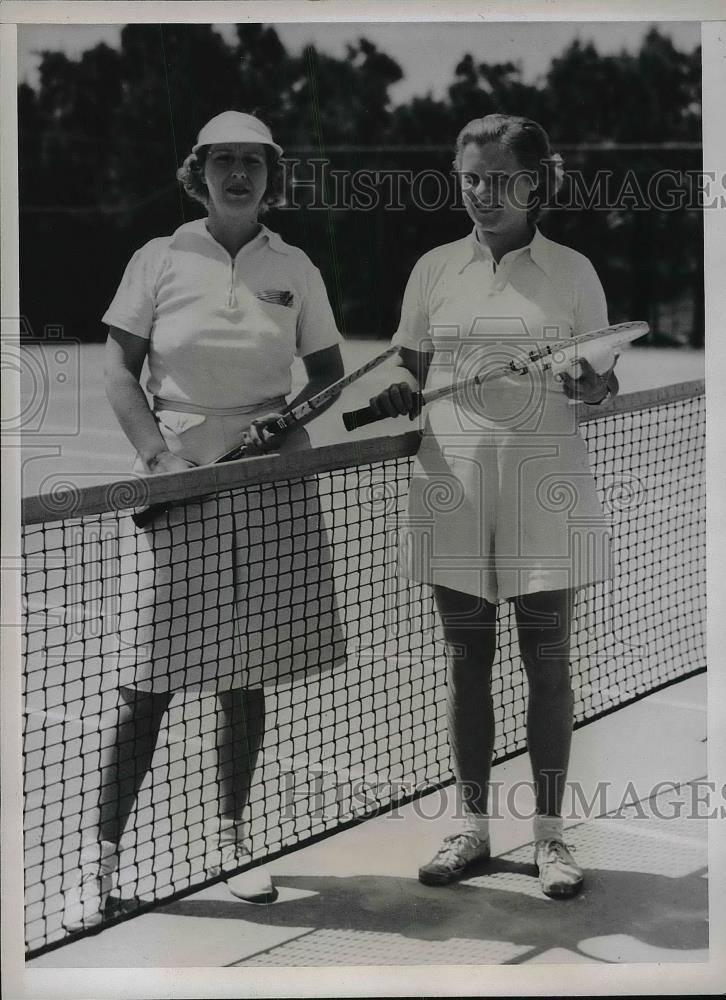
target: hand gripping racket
<point>247,447</point>
<point>558,356</point>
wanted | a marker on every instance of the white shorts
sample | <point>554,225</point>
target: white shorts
<point>498,511</point>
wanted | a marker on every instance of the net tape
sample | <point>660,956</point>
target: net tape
<point>350,657</point>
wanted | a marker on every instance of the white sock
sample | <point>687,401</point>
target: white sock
<point>103,853</point>
<point>478,824</point>
<point>548,827</point>
<point>218,823</point>
<point>231,831</point>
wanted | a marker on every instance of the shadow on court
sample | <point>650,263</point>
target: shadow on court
<point>658,911</point>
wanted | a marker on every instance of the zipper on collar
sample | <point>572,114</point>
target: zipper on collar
<point>232,297</point>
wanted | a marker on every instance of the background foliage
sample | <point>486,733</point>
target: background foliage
<point>101,138</point>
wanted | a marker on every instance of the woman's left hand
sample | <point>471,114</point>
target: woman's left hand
<point>589,386</point>
<point>265,433</point>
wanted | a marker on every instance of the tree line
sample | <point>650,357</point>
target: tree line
<point>101,136</point>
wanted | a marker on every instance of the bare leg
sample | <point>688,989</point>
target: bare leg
<point>469,625</point>
<point>239,740</point>
<point>126,754</point>
<point>470,631</point>
<point>127,748</point>
<point>543,624</point>
<point>240,732</point>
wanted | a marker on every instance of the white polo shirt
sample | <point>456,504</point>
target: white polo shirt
<point>471,311</point>
<point>223,332</point>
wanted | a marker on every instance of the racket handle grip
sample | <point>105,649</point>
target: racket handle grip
<point>143,518</point>
<point>360,418</point>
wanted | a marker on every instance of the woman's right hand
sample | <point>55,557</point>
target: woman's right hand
<point>167,461</point>
<point>397,399</point>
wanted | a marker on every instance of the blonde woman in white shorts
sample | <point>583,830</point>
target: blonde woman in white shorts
<point>219,310</point>
<point>502,494</point>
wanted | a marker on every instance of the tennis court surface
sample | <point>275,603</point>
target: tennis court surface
<point>354,899</point>
<point>364,736</point>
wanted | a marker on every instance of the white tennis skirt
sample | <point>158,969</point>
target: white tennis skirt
<point>231,591</point>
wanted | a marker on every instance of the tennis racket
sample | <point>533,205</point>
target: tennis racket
<point>248,448</point>
<point>557,356</point>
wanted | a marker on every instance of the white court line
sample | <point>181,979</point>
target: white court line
<point>672,838</point>
<point>672,703</point>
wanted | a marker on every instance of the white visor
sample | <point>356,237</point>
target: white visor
<point>235,126</point>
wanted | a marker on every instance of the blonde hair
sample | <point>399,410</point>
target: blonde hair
<point>530,144</point>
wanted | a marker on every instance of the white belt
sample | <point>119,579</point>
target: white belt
<point>265,406</point>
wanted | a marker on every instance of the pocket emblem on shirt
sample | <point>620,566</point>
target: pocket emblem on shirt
<point>276,296</point>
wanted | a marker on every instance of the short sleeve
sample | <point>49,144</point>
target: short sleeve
<point>133,305</point>
<point>591,310</point>
<point>413,328</point>
<point>316,326</point>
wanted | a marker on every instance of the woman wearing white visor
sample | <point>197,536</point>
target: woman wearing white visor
<point>218,310</point>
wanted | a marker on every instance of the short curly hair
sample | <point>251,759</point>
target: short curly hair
<point>530,144</point>
<point>191,176</point>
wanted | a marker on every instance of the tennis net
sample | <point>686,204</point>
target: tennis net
<point>288,564</point>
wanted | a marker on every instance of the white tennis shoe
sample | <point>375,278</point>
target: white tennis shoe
<point>85,901</point>
<point>229,850</point>
<point>458,851</point>
<point>559,874</point>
